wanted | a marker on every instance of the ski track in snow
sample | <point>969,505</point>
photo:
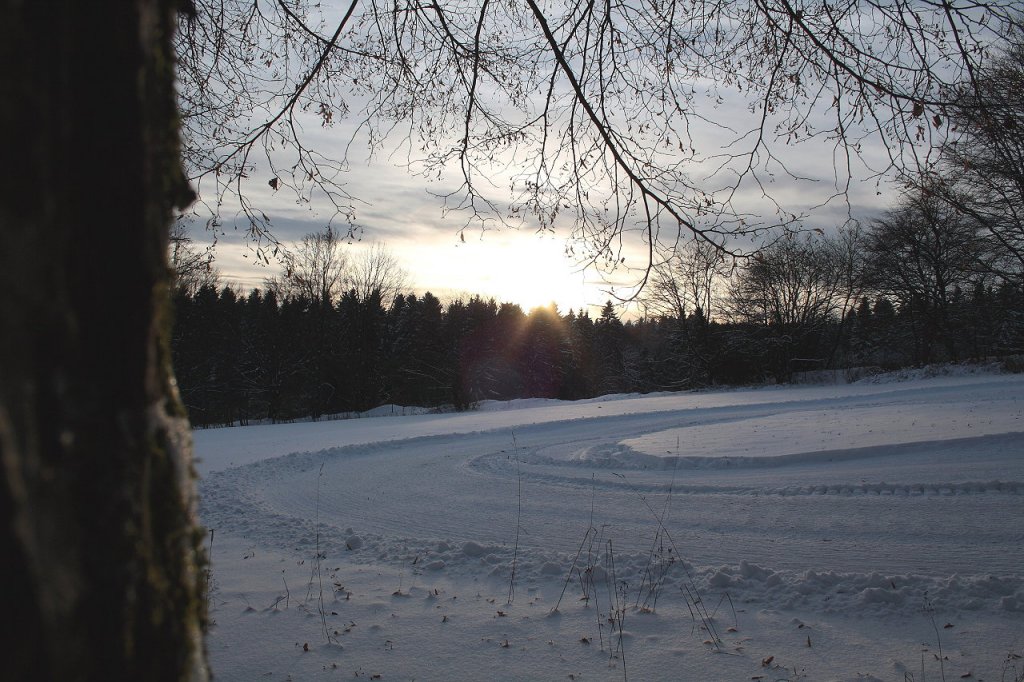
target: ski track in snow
<point>866,500</point>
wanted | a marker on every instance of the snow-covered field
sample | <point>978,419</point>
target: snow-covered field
<point>842,532</point>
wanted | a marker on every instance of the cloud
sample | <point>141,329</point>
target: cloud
<point>406,211</point>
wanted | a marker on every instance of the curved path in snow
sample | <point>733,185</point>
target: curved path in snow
<point>880,483</point>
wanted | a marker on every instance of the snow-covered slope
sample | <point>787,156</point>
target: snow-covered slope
<point>783,533</point>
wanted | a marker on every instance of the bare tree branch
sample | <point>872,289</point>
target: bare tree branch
<point>594,117</point>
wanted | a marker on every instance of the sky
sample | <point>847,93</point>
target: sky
<point>403,212</point>
<point>524,266</point>
<point>509,265</point>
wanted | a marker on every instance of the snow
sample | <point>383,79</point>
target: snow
<point>842,532</point>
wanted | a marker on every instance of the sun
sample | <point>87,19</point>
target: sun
<point>534,271</point>
<point>525,268</point>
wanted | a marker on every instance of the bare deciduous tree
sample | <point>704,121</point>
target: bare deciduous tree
<point>192,267</point>
<point>793,294</point>
<point>918,253</point>
<point>315,269</point>
<point>688,281</point>
<point>797,283</point>
<point>377,270</point>
<point>980,172</point>
<point>318,269</point>
<point>591,113</point>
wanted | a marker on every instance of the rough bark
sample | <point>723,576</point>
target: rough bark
<point>97,530</point>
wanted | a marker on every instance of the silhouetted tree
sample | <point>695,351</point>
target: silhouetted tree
<point>192,267</point>
<point>378,272</point>
<point>789,294</point>
<point>609,344</point>
<point>97,524</point>
<point>542,354</point>
<point>917,253</point>
<point>980,171</point>
<point>315,270</point>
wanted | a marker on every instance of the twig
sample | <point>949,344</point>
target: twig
<point>568,576</point>
<point>617,607</point>
<point>587,577</point>
<point>519,519</point>
<point>209,573</point>
<point>690,587</point>
<point>316,570</point>
<point>930,610</point>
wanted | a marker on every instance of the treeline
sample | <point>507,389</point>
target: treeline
<point>258,357</point>
<point>240,358</point>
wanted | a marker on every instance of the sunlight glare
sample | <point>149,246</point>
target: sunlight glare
<point>525,268</point>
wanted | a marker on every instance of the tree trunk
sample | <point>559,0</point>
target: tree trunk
<point>97,530</point>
